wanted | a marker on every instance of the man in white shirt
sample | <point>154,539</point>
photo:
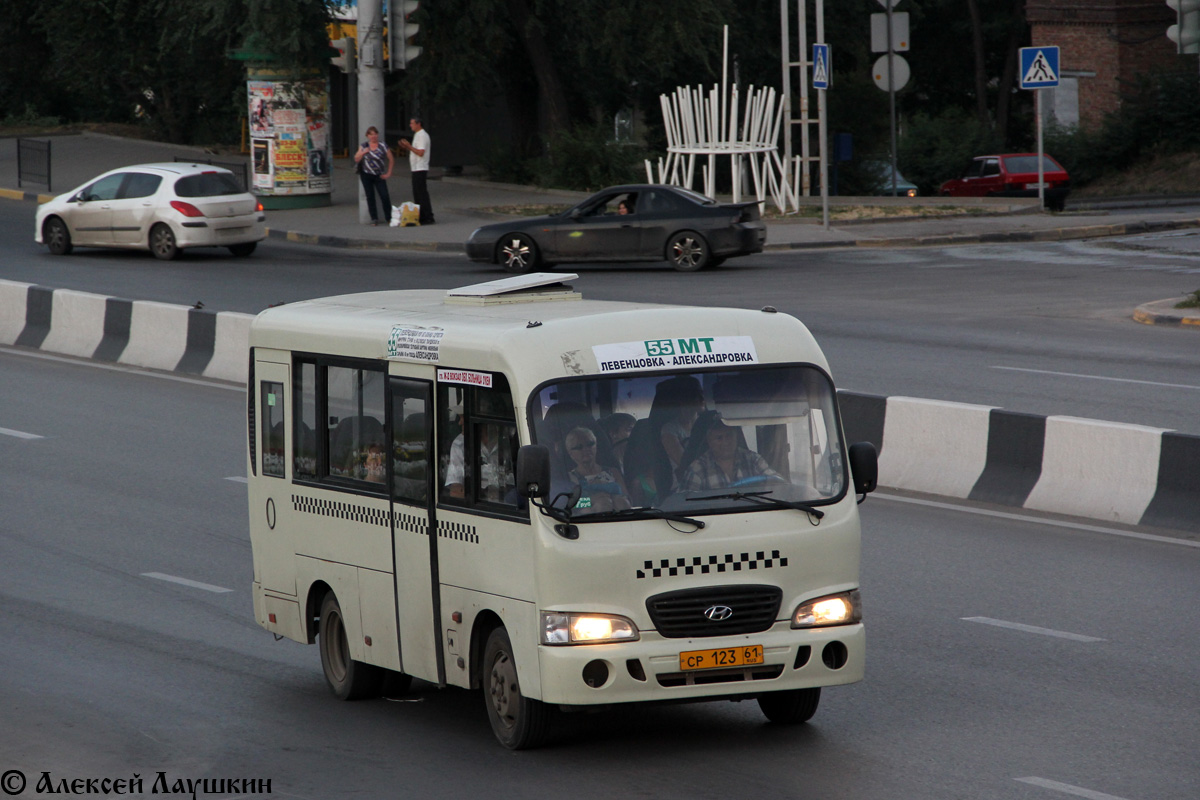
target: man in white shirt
<point>418,163</point>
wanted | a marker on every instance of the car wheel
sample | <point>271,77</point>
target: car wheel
<point>791,706</point>
<point>518,722</point>
<point>57,237</point>
<point>347,678</point>
<point>518,253</point>
<point>243,250</point>
<point>162,242</point>
<point>687,251</point>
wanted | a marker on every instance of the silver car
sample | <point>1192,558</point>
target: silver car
<point>163,208</point>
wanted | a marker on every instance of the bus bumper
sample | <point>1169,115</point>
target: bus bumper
<point>650,669</point>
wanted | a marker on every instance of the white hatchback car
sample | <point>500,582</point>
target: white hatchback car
<point>163,208</point>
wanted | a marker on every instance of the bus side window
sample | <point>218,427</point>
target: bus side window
<point>355,407</point>
<point>410,445</point>
<point>478,443</point>
<point>271,429</point>
<point>304,437</point>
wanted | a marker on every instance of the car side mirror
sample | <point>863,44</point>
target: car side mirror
<point>576,213</point>
<point>533,471</point>
<point>864,467</point>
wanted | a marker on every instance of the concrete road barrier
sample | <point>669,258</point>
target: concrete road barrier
<point>1100,470</point>
<point>135,332</point>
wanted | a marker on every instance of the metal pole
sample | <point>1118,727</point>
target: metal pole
<point>784,46</point>
<point>370,82</point>
<point>892,93</point>
<point>821,127</point>
<point>802,59</point>
<point>1037,97</point>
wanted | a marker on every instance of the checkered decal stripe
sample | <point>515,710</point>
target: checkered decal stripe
<point>458,531</point>
<point>339,510</point>
<point>699,565</point>
<point>412,524</point>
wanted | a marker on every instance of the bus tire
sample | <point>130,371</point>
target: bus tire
<point>518,722</point>
<point>791,706</point>
<point>347,678</point>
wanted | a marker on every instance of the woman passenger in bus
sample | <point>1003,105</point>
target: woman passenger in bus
<point>603,488</point>
<point>725,460</point>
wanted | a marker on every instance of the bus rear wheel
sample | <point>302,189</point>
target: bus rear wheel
<point>790,706</point>
<point>347,678</point>
<point>518,722</point>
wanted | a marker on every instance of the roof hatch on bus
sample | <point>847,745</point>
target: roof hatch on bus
<point>534,287</point>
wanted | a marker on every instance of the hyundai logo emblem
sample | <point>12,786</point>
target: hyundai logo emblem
<point>718,613</point>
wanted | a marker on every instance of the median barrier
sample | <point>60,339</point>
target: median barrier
<point>1108,471</point>
<point>138,333</point>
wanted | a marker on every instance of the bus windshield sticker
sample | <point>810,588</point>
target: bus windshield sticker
<point>415,343</point>
<point>696,351</point>
<point>480,379</point>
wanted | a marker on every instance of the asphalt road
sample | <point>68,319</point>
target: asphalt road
<point>112,668</point>
<point>1039,328</point>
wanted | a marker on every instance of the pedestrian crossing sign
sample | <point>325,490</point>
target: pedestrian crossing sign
<point>821,66</point>
<point>1039,67</point>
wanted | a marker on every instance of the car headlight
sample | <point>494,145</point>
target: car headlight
<point>575,628</point>
<point>844,608</point>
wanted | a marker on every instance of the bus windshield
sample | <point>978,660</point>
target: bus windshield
<point>691,442</point>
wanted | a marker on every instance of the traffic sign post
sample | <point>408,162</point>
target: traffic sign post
<point>1039,70</point>
<point>889,35</point>
<point>822,74</point>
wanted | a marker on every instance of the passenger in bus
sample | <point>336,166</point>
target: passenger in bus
<point>495,472</point>
<point>656,444</point>
<point>616,428</point>
<point>725,460</point>
<point>602,489</point>
<point>374,465</point>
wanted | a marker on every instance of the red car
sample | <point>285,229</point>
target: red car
<point>1011,175</point>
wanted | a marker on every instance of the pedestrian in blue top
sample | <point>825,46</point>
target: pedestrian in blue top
<point>375,162</point>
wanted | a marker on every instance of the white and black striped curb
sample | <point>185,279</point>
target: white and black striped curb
<point>1110,471</point>
<point>139,333</point>
<point>1101,470</point>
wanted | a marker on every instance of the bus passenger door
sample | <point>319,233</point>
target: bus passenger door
<point>415,546</point>
<point>270,487</point>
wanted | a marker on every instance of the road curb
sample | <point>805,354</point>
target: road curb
<point>1163,312</point>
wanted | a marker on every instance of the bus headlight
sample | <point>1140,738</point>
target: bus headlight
<point>835,609</point>
<point>560,628</point>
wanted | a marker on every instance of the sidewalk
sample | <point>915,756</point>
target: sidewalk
<point>461,204</point>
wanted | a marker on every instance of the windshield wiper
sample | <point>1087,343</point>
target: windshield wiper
<point>762,499</point>
<point>646,511</point>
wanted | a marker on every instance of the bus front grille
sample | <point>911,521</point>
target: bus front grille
<point>715,610</point>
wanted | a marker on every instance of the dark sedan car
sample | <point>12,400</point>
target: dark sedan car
<point>638,222</point>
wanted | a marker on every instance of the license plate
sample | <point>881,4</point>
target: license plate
<point>1036,185</point>
<point>743,656</point>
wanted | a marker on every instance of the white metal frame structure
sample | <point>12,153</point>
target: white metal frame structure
<point>706,123</point>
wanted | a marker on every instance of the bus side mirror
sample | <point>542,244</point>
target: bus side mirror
<point>864,467</point>
<point>533,471</point>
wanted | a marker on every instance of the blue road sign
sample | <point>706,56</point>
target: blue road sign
<point>1039,67</point>
<point>822,69</point>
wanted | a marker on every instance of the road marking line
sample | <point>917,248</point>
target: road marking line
<point>1078,526</point>
<point>208,587</point>
<point>1100,378</point>
<point>20,434</point>
<point>1017,626</point>
<point>237,479</point>
<point>1067,788</point>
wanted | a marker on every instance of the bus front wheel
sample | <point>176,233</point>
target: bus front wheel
<point>347,678</point>
<point>791,706</point>
<point>518,722</point>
